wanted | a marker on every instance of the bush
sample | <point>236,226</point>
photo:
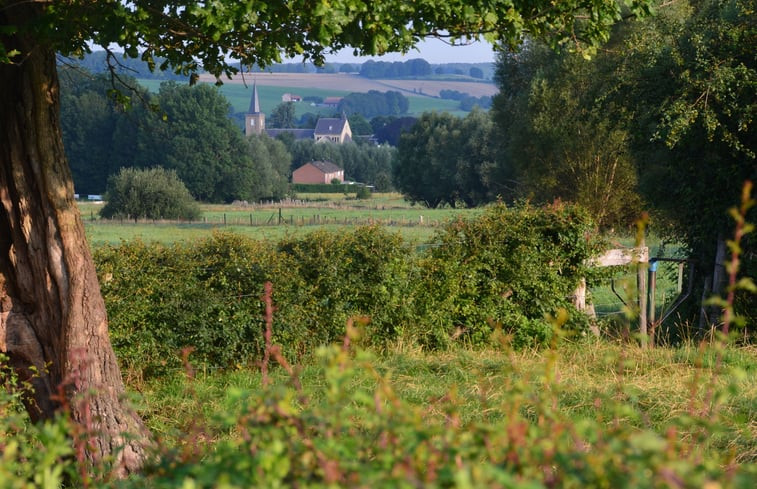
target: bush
<point>153,193</point>
<point>318,188</point>
<point>206,295</point>
<point>509,268</point>
<point>358,273</point>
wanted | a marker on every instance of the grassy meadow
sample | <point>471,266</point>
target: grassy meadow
<point>274,221</point>
<point>587,378</point>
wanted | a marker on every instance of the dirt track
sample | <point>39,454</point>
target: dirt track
<point>355,83</point>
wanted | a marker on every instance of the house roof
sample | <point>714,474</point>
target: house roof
<point>324,166</point>
<point>330,126</point>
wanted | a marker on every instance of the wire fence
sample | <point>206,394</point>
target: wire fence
<point>617,295</point>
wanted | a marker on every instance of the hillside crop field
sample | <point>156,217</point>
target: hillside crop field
<point>422,94</point>
<point>355,83</point>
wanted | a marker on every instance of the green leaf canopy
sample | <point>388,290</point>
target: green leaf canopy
<point>218,34</point>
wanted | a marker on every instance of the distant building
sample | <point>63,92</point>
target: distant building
<point>318,172</point>
<point>335,130</point>
<point>290,97</point>
<point>332,101</point>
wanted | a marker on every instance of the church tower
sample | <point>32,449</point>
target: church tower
<point>254,120</point>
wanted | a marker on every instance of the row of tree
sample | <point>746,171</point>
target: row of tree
<point>181,128</point>
<point>374,103</point>
<point>396,69</point>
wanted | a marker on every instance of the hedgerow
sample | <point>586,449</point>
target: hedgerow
<point>507,270</point>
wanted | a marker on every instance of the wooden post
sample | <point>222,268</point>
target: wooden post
<point>641,283</point>
<point>652,303</point>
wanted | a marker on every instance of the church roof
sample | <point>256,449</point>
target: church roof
<point>254,101</point>
<point>330,126</point>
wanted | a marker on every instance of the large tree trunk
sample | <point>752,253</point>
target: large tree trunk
<point>52,315</point>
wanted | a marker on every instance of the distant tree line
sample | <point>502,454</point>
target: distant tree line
<point>181,128</point>
<point>396,69</point>
<point>467,102</point>
<point>374,103</point>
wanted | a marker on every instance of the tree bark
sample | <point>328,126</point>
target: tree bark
<point>52,314</point>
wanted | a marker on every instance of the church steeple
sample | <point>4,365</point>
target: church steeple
<point>254,101</point>
<point>254,120</point>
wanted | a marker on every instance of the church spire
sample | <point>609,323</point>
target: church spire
<point>254,101</point>
<point>254,120</point>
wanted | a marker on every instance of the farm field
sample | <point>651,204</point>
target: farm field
<point>271,87</point>
<point>354,83</point>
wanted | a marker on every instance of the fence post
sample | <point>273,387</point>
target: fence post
<point>652,305</point>
<point>641,283</point>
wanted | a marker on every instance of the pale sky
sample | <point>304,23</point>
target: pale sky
<point>432,50</point>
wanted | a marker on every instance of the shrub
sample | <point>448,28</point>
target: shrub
<point>358,273</point>
<point>362,192</point>
<point>206,295</point>
<point>509,268</point>
<point>161,299</point>
<point>152,193</point>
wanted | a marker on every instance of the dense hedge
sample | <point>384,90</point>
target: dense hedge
<point>323,188</point>
<point>507,269</point>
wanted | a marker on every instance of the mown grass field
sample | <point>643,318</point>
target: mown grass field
<point>274,221</point>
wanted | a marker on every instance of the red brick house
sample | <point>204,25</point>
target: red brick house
<point>317,172</point>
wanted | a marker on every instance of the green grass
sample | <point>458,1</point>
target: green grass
<point>587,378</point>
<point>323,211</point>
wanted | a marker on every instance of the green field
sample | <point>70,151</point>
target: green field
<point>239,97</point>
<point>273,222</point>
